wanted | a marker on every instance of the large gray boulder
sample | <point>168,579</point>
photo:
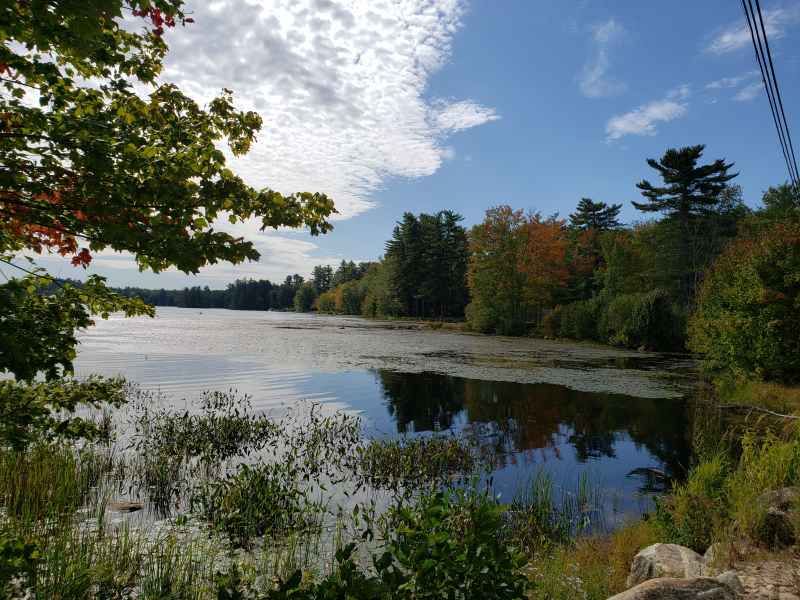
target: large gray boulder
<point>665,560</point>
<point>670,588</point>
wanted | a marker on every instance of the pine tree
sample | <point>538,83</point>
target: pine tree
<point>595,215</point>
<point>689,190</point>
<point>690,199</point>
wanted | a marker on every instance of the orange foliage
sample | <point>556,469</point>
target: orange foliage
<point>18,225</point>
<point>544,259</point>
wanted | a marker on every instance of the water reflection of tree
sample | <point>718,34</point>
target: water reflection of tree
<point>422,401</point>
<point>515,417</point>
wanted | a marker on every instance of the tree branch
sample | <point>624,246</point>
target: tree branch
<point>33,273</point>
<point>15,82</point>
<point>758,409</point>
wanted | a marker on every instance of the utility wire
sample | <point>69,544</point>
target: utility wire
<point>758,49</point>
<point>778,118</point>
<point>778,93</point>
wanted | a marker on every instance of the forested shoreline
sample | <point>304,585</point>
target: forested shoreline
<point>587,276</point>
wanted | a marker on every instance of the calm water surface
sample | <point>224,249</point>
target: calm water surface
<point>571,409</point>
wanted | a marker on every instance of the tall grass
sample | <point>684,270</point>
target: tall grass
<point>719,501</point>
<point>542,515</point>
<point>592,567</point>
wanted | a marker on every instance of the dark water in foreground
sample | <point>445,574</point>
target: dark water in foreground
<point>617,439</point>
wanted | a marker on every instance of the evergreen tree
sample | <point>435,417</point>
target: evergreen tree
<point>595,215</point>
<point>690,199</point>
<point>689,190</point>
<point>322,278</point>
<point>430,255</point>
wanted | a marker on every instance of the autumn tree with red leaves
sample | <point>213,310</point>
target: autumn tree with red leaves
<point>88,164</point>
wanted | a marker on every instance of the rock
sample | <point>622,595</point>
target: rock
<point>783,499</point>
<point>731,579</point>
<point>124,506</point>
<point>770,579</point>
<point>775,529</point>
<point>669,588</point>
<point>665,560</point>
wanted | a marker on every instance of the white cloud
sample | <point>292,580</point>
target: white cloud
<point>731,82</point>
<point>746,85</point>
<point>457,116</point>
<point>643,120</point>
<point>737,35</point>
<point>594,80</point>
<point>749,92</point>
<point>340,85</point>
<point>682,92</point>
<point>448,153</point>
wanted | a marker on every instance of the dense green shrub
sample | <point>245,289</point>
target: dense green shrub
<point>448,546</point>
<point>748,309</point>
<point>257,500</point>
<point>647,319</point>
<point>444,546</point>
<point>579,320</point>
<point>31,413</point>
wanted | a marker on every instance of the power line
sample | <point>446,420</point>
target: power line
<point>771,86</point>
<point>778,92</point>
<point>767,80</point>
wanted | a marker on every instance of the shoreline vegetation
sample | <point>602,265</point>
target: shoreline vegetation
<point>221,502</point>
<point>166,503</point>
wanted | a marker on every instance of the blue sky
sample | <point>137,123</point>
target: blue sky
<point>421,106</point>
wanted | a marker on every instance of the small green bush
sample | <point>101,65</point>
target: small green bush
<point>446,545</point>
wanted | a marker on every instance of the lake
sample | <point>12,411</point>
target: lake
<point>619,417</point>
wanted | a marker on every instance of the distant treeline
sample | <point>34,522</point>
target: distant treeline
<point>245,294</point>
